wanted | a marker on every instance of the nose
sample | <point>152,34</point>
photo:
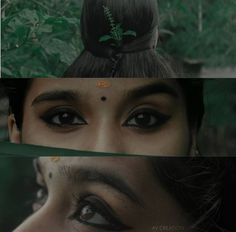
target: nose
<point>106,138</point>
<point>40,221</point>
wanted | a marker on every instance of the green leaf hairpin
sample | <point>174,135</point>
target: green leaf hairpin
<point>117,33</point>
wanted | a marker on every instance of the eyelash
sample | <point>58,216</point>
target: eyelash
<point>52,118</point>
<point>143,119</point>
<point>153,115</point>
<point>97,205</point>
<point>99,208</point>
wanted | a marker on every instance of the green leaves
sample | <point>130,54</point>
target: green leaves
<point>105,38</point>
<point>130,33</point>
<point>203,30</point>
<point>38,41</point>
<point>117,33</point>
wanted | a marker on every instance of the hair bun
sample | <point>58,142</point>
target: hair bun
<point>111,27</point>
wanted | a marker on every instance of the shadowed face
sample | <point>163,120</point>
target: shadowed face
<point>140,116</point>
<point>102,194</point>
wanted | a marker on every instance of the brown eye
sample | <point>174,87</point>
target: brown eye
<point>90,215</point>
<point>63,117</point>
<point>146,119</point>
<point>93,211</point>
<point>66,119</point>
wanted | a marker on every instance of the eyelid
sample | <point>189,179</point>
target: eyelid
<point>102,208</point>
<point>61,109</point>
<point>146,109</point>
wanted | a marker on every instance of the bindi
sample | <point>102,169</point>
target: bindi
<point>55,159</point>
<point>103,98</point>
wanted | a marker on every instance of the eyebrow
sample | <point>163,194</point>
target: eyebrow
<point>56,95</point>
<point>80,175</point>
<point>154,88</point>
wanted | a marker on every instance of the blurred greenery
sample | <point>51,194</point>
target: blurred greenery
<point>202,30</point>
<point>39,38</point>
<point>42,38</point>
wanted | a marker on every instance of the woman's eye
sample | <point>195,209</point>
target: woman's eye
<point>63,118</point>
<point>90,215</point>
<point>96,213</point>
<point>146,119</point>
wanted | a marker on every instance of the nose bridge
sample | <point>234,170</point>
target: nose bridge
<point>42,220</point>
<point>107,137</point>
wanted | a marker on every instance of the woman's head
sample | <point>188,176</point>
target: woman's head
<point>142,116</point>
<point>120,39</point>
<point>107,194</point>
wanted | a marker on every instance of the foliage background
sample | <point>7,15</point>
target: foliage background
<point>42,38</point>
<point>39,38</point>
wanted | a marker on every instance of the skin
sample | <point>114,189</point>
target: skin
<point>104,117</point>
<point>68,186</point>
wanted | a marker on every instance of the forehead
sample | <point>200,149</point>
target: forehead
<point>113,164</point>
<point>87,86</point>
<point>135,170</point>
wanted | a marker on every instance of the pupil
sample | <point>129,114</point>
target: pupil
<point>87,213</point>
<point>143,119</point>
<point>66,118</point>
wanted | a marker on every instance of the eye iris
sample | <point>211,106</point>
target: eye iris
<point>66,118</point>
<point>143,119</point>
<point>87,213</point>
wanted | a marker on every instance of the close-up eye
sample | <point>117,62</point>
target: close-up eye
<point>146,119</point>
<point>40,198</point>
<point>63,117</point>
<point>94,212</point>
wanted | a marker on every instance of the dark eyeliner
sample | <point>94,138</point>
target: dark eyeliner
<point>48,116</point>
<point>161,118</point>
<point>103,209</point>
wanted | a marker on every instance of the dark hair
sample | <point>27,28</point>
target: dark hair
<point>134,55</point>
<point>192,90</point>
<point>16,90</point>
<point>198,184</point>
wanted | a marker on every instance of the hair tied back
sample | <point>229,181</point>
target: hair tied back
<point>117,33</point>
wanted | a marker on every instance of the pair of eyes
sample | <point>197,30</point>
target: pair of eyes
<point>89,210</point>
<point>145,118</point>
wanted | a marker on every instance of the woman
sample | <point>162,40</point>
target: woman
<point>120,40</point>
<point>107,194</point>
<point>139,116</point>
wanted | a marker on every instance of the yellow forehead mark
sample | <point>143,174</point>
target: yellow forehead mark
<point>55,159</point>
<point>103,84</point>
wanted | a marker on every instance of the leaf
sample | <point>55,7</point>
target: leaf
<point>105,38</point>
<point>29,15</point>
<point>45,29</point>
<point>130,33</point>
